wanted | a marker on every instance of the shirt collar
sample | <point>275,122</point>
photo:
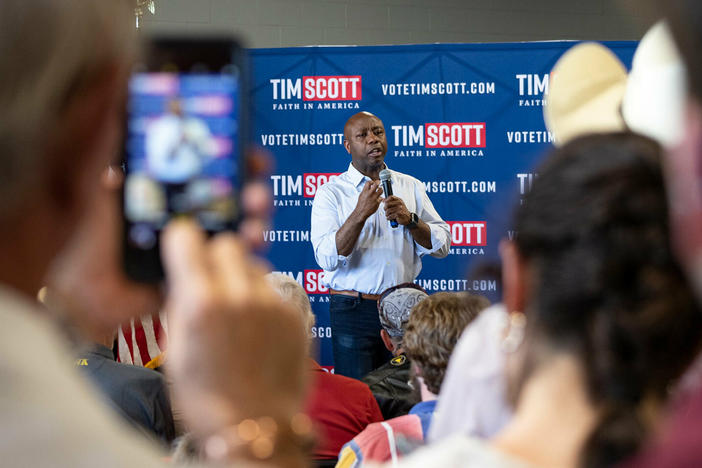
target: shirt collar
<point>356,177</point>
<point>424,407</point>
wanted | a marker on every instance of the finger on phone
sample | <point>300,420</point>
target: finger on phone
<point>228,258</point>
<point>183,254</point>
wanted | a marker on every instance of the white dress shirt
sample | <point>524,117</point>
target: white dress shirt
<point>382,256</point>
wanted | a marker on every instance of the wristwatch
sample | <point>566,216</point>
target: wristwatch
<point>414,221</point>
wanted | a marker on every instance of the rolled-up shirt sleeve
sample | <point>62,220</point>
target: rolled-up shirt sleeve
<point>324,225</point>
<point>440,232</point>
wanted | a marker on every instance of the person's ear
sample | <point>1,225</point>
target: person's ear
<point>387,341</point>
<point>347,145</point>
<point>83,139</point>
<point>513,277</point>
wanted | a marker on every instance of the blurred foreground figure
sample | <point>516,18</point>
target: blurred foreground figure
<point>472,399</point>
<point>64,66</point>
<point>678,445</point>
<point>602,322</point>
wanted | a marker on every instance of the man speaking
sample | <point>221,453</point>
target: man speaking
<point>361,251</point>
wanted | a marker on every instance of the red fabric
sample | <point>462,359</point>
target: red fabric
<point>158,328</point>
<point>341,408</point>
<point>680,443</point>
<point>141,342</point>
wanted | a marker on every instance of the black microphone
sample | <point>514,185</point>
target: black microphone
<point>386,180</point>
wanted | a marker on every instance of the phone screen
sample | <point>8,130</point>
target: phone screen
<point>182,154</point>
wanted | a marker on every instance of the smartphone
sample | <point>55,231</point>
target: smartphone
<point>185,134</point>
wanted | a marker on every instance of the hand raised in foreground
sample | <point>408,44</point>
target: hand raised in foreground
<point>236,351</point>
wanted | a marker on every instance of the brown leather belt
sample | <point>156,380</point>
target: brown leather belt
<point>372,297</point>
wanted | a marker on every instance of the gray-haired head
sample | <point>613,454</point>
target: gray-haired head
<point>395,305</point>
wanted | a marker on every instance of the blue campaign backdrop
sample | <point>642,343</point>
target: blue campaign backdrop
<point>465,119</point>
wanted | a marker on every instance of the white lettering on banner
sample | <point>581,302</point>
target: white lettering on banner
<point>288,185</point>
<point>455,135</point>
<point>313,282</point>
<point>461,186</point>
<point>526,180</point>
<point>531,84</point>
<point>286,106</point>
<point>457,284</point>
<point>321,332</point>
<point>302,139</point>
<point>469,233</point>
<point>286,88</point>
<point>410,135</point>
<point>412,153</point>
<point>420,89</point>
<point>533,136</point>
<point>512,235</point>
<point>441,135</point>
<point>460,153</point>
<point>532,102</point>
<point>315,180</point>
<point>286,236</point>
<point>337,105</point>
<point>466,251</point>
<point>318,88</point>
<point>277,202</point>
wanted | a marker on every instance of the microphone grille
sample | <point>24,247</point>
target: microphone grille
<point>384,175</point>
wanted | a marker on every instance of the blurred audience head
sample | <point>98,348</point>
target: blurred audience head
<point>433,329</point>
<point>293,294</point>
<point>600,284</point>
<point>394,308</point>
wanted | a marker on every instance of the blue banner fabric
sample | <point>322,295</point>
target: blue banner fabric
<point>465,119</point>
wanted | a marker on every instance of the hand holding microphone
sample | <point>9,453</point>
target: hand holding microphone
<point>395,210</point>
<point>386,181</point>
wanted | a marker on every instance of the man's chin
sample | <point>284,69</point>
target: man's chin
<point>377,161</point>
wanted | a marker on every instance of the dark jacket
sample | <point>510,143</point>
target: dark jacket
<point>138,393</point>
<point>390,387</point>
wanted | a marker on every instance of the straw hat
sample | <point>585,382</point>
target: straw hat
<point>585,93</point>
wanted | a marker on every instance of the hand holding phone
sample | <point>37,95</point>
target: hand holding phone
<point>186,126</point>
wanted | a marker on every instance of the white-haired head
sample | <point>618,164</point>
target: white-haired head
<point>293,294</point>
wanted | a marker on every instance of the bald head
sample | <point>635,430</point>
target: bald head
<point>356,118</point>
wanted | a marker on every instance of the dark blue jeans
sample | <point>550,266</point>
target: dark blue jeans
<point>356,342</point>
